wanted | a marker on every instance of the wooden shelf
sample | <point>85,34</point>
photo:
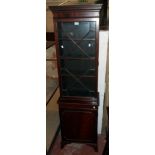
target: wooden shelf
<point>77,39</point>
<point>79,76</point>
<point>77,58</point>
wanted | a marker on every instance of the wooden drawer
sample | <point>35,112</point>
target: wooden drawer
<point>91,106</point>
<point>82,103</point>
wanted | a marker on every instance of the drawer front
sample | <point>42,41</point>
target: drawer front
<point>79,125</point>
<point>92,106</point>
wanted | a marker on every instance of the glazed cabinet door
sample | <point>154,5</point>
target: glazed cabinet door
<point>77,53</point>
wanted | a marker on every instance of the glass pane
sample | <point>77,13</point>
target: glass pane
<point>77,39</point>
<point>78,86</point>
<point>77,48</point>
<point>76,30</point>
<point>78,67</point>
<point>85,48</point>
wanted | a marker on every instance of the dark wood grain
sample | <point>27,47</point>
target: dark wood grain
<point>78,114</point>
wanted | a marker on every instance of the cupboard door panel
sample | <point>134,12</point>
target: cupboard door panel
<point>79,125</point>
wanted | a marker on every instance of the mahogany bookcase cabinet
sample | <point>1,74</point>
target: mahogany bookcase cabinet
<point>77,43</point>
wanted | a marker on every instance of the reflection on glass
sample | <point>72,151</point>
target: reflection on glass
<point>77,48</point>
<point>78,67</point>
<point>77,39</point>
<point>74,87</point>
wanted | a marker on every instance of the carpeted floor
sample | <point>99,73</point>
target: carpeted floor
<point>52,94</point>
<point>51,85</point>
<point>77,149</point>
<point>51,70</point>
<point>52,119</point>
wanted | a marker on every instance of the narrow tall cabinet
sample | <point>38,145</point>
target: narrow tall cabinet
<point>77,43</point>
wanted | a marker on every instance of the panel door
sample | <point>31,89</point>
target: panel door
<point>79,125</point>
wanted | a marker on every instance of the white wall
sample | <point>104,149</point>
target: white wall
<point>103,45</point>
